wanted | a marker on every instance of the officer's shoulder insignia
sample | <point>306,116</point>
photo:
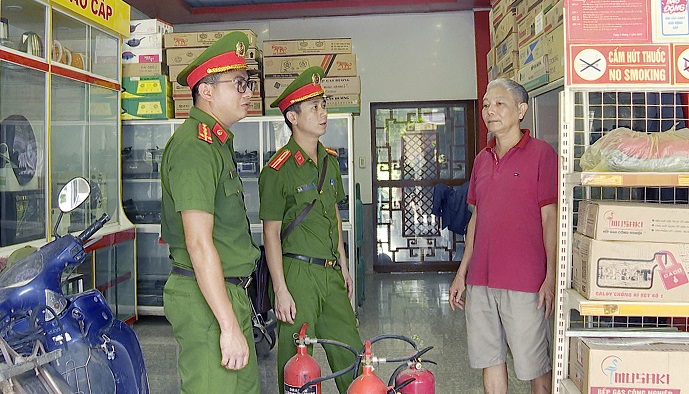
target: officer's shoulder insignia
<point>278,160</point>
<point>299,158</point>
<point>220,132</point>
<point>331,151</point>
<point>205,133</point>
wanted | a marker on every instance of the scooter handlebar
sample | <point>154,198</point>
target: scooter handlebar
<point>95,226</point>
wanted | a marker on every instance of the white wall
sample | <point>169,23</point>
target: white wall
<point>400,57</point>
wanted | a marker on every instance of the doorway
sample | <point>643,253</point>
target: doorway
<point>415,146</point>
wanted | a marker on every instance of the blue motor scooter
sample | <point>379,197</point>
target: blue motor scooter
<point>69,342</point>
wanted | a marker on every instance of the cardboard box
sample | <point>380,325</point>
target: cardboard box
<point>182,56</point>
<point>534,74</point>
<point>149,26</point>
<point>533,50</point>
<point>179,91</point>
<point>202,38</point>
<point>508,63</point>
<point>627,221</point>
<point>555,52</point>
<point>152,107</point>
<point>499,10</point>
<point>507,46</point>
<point>553,16</point>
<point>157,85</point>
<point>490,58</point>
<point>521,7</point>
<point>182,107</point>
<point>143,69</point>
<point>630,271</point>
<point>628,366</point>
<point>174,70</point>
<point>316,46</point>
<point>340,65</point>
<point>531,26</point>
<point>255,107</point>
<point>139,42</point>
<point>506,26</point>
<point>134,55</point>
<point>333,85</point>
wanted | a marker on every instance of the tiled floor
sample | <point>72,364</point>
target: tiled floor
<point>414,305</point>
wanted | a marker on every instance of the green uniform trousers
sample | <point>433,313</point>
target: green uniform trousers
<point>321,300</point>
<point>198,335</point>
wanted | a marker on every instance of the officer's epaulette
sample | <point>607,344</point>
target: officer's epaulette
<point>205,133</point>
<point>331,151</point>
<point>279,159</point>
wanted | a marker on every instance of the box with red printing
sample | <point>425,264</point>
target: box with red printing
<point>630,271</point>
<point>629,366</point>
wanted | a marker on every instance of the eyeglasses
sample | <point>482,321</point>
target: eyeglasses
<point>242,84</point>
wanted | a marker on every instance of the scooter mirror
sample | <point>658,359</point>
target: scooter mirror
<point>73,194</point>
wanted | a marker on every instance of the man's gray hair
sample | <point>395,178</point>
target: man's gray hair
<point>516,90</point>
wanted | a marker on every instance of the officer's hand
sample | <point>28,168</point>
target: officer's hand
<point>456,289</point>
<point>349,283</point>
<point>234,349</point>
<point>285,309</point>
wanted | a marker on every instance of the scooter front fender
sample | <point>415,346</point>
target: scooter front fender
<point>89,319</point>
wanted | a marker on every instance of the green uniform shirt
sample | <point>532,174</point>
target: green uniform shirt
<point>199,172</point>
<point>285,193</point>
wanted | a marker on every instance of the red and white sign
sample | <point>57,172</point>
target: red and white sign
<point>643,64</point>
<point>681,63</point>
<point>608,21</point>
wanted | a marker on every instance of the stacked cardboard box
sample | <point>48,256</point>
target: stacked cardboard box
<point>503,58</point>
<point>182,48</point>
<point>142,51</point>
<point>148,97</point>
<point>146,89</point>
<point>628,365</point>
<point>541,42</point>
<point>285,59</point>
<point>631,252</point>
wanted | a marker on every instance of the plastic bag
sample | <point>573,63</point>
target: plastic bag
<point>625,150</point>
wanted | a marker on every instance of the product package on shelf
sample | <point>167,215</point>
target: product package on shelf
<point>630,221</point>
<point>629,366</point>
<point>630,271</point>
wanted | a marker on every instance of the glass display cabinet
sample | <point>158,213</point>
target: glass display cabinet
<point>60,118</point>
<point>256,140</point>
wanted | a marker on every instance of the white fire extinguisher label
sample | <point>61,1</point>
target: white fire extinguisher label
<point>295,390</point>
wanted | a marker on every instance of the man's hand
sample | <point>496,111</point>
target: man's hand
<point>234,349</point>
<point>285,309</point>
<point>546,296</point>
<point>349,283</point>
<point>456,289</point>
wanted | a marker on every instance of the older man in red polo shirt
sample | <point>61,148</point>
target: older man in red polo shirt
<point>508,266</point>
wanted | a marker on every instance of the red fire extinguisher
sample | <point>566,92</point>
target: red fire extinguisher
<point>423,381</point>
<point>367,382</point>
<point>302,368</point>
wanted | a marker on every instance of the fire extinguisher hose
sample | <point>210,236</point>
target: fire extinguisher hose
<point>334,374</point>
<point>399,369</point>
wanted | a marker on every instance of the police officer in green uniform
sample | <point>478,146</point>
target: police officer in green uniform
<point>308,267</point>
<point>204,222</point>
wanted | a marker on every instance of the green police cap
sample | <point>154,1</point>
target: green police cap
<point>305,87</point>
<point>226,54</point>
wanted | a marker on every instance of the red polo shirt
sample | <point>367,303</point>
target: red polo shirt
<point>508,194</point>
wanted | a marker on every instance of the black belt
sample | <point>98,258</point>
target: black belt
<point>239,281</point>
<point>313,260</point>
